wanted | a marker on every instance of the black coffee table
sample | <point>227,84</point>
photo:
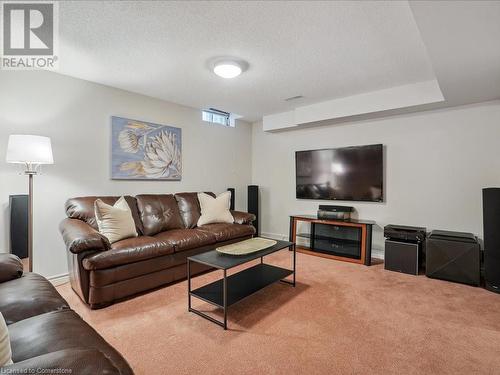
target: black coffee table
<point>231,289</point>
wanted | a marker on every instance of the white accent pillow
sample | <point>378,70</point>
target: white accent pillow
<point>215,210</point>
<point>5,351</point>
<point>115,222</point>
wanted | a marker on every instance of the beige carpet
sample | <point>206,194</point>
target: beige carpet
<point>340,319</point>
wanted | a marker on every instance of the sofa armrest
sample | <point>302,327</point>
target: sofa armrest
<point>243,217</point>
<point>81,361</point>
<point>11,267</point>
<point>79,236</point>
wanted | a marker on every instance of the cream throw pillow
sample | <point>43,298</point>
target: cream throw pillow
<point>115,222</point>
<point>5,352</point>
<point>215,210</point>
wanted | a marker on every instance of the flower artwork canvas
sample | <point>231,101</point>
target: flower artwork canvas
<point>145,151</point>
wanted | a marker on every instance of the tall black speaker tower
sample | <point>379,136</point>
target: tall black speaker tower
<point>231,207</point>
<point>491,229</point>
<point>253,205</point>
<point>19,225</point>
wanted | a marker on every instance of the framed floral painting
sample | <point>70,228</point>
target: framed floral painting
<point>145,151</point>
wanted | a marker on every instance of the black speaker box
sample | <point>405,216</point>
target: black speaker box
<point>453,256</point>
<point>231,207</point>
<point>491,229</point>
<point>19,225</point>
<point>402,256</point>
<point>253,205</point>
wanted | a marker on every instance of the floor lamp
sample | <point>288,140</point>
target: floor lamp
<point>31,151</point>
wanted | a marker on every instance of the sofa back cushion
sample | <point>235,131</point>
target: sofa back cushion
<point>189,207</point>
<point>158,213</point>
<point>82,208</point>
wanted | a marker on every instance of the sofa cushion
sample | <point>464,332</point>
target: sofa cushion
<point>11,267</point>
<point>136,270</point>
<point>81,361</point>
<point>58,330</point>
<point>83,208</point>
<point>128,251</point>
<point>225,232</point>
<point>28,296</point>
<point>185,239</point>
<point>189,208</point>
<point>158,212</point>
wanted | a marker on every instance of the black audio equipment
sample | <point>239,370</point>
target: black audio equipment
<point>334,212</point>
<point>253,205</point>
<point>491,232</point>
<point>405,233</point>
<point>231,207</point>
<point>402,257</point>
<point>19,225</point>
<point>404,248</point>
<point>453,256</point>
<point>328,207</point>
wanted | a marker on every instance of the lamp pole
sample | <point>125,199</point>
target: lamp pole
<point>32,151</point>
<point>30,174</point>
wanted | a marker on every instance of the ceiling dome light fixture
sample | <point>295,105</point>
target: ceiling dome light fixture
<point>228,69</point>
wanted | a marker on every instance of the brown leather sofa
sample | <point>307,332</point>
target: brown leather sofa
<point>101,273</point>
<point>46,335</point>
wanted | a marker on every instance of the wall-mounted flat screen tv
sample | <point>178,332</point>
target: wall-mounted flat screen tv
<point>348,174</point>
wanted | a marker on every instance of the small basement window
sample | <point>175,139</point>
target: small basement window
<point>216,116</point>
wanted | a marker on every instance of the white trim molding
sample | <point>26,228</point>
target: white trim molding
<point>404,96</point>
<point>275,236</point>
<point>57,280</point>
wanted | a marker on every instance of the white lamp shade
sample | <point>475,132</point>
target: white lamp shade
<point>32,149</point>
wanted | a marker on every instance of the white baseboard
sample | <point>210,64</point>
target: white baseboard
<point>59,279</point>
<point>376,253</point>
<point>275,236</point>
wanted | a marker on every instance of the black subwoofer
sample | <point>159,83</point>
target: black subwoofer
<point>402,256</point>
<point>404,248</point>
<point>491,229</point>
<point>453,256</point>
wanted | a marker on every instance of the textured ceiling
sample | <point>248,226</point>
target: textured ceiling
<point>320,50</point>
<point>463,41</point>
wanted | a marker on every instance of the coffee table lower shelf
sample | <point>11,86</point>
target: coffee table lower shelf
<point>238,286</point>
<point>241,284</point>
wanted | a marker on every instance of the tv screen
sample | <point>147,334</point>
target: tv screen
<point>349,174</point>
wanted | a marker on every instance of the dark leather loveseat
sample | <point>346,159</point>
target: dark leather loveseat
<point>101,273</point>
<point>46,335</point>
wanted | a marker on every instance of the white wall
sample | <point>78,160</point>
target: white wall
<point>437,162</point>
<point>77,114</point>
